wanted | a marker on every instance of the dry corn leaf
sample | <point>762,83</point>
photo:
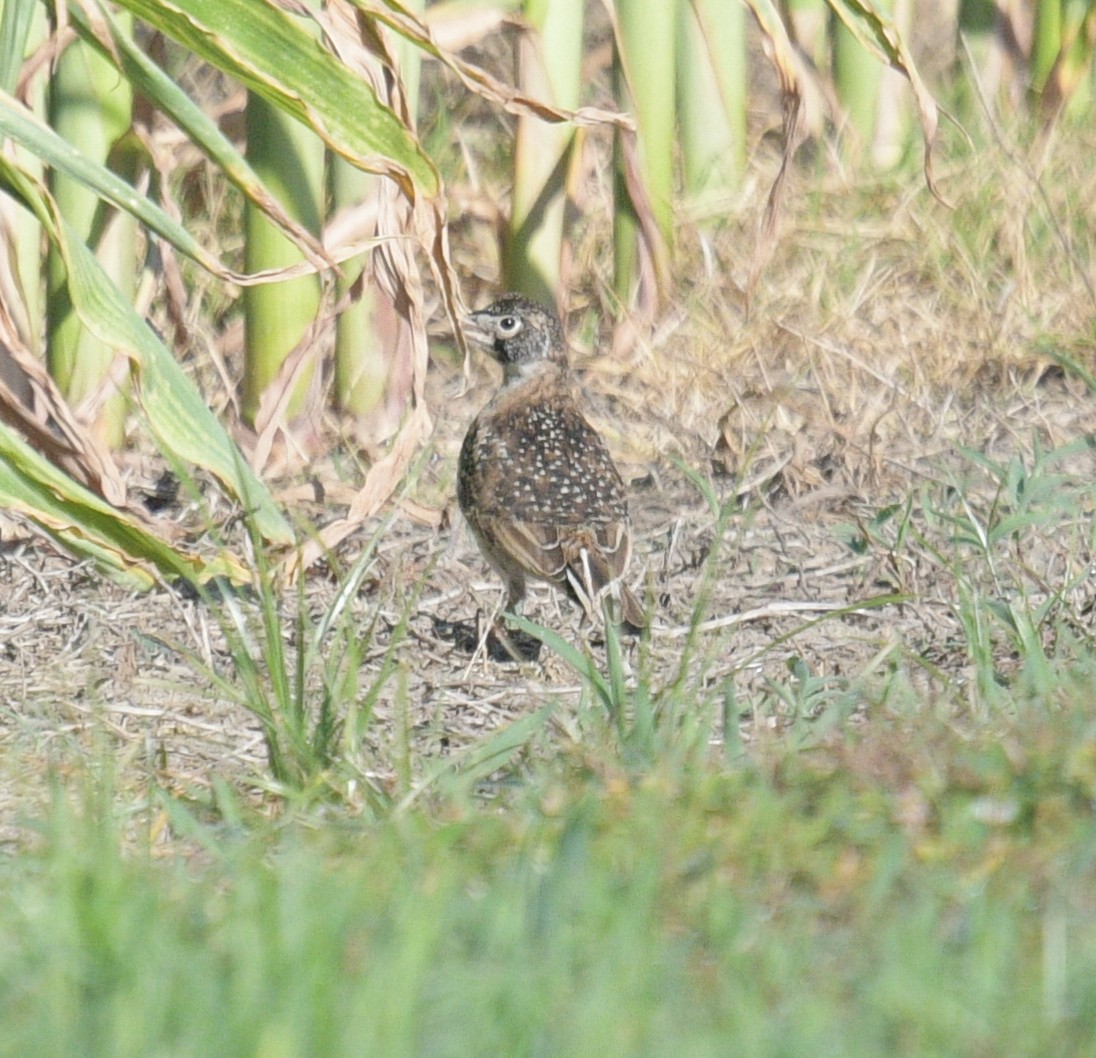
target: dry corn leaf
<point>879,35</point>
<point>383,478</point>
<point>400,226</point>
<point>780,51</point>
<point>478,81</point>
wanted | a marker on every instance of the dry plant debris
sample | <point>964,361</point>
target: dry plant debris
<point>873,352</point>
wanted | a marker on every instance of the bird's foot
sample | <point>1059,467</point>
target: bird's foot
<point>464,635</point>
<point>502,643</point>
<point>511,644</point>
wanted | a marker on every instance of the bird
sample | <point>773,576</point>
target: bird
<point>535,481</point>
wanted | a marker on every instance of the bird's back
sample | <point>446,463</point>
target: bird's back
<point>541,492</point>
<point>532,456</point>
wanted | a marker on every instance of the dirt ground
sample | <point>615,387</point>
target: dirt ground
<point>802,466</point>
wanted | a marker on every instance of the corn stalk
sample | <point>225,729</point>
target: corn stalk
<point>91,108</point>
<point>549,67</point>
<point>871,94</point>
<point>712,65</point>
<point>1062,48</point>
<point>644,83</point>
<point>288,158</point>
<point>373,361</point>
<point>22,29</point>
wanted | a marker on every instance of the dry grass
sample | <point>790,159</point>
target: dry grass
<point>886,333</point>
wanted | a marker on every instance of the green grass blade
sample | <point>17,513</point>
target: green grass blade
<point>582,664</point>
<point>614,659</point>
<point>454,778</point>
<point>876,602</point>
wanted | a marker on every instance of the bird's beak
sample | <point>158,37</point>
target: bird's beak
<point>476,326</point>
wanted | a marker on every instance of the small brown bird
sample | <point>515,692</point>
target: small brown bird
<point>535,480</point>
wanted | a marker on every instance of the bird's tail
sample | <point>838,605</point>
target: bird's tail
<point>590,577</point>
<point>632,614</point>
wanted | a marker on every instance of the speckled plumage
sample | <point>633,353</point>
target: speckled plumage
<point>535,481</point>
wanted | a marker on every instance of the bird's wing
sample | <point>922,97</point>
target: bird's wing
<point>537,549</point>
<point>584,561</point>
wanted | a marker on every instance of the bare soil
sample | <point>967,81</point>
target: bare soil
<point>802,465</point>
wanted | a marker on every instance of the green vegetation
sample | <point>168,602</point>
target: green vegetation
<point>901,862</point>
<point>912,891</point>
<point>840,801</point>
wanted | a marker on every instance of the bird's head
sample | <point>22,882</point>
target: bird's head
<point>521,334</point>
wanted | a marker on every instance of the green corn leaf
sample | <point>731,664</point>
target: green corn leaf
<point>276,57</point>
<point>21,125</point>
<point>202,131</point>
<point>90,527</point>
<point>16,17</point>
<point>178,417</point>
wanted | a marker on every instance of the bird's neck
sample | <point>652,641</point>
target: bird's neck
<point>539,371</point>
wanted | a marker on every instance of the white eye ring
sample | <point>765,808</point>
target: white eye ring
<point>508,326</point>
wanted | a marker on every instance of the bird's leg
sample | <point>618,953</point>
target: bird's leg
<point>511,644</point>
<point>515,593</point>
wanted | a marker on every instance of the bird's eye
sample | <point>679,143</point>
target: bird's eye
<point>508,326</point>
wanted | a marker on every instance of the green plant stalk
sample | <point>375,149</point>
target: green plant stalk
<point>361,364</point>
<point>90,107</point>
<point>289,159</point>
<point>979,36</point>
<point>1075,67</point>
<point>712,63</point>
<point>873,97</point>
<point>625,228</point>
<point>892,115</point>
<point>410,61</point>
<point>857,77</point>
<point>644,83</point>
<point>22,28</point>
<point>549,68</point>
<point>302,694</point>
<point>807,21</point>
<point>1046,42</point>
<point>363,368</point>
